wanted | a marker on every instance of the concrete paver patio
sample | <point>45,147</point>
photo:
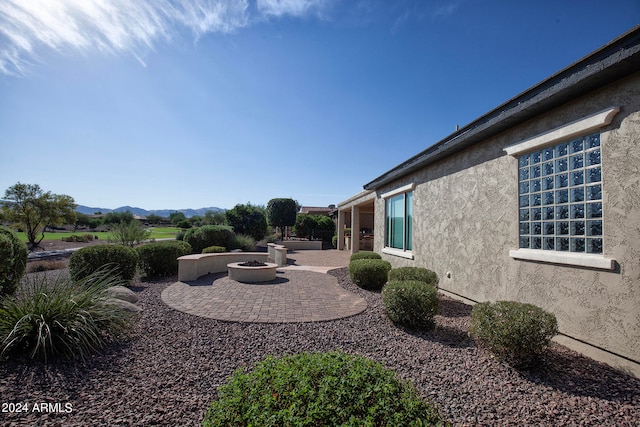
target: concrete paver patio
<point>300,293</point>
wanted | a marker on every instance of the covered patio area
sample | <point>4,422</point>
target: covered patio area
<point>356,217</point>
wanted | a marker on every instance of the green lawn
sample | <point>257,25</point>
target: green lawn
<point>156,233</point>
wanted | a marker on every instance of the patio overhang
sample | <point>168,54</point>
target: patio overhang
<point>356,222</point>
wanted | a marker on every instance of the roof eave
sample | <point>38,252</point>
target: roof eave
<point>617,59</point>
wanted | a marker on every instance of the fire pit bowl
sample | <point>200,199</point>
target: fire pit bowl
<point>252,273</point>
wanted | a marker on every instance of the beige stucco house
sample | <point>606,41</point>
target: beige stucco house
<point>536,201</point>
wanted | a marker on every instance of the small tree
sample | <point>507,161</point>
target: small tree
<point>176,217</point>
<point>195,221</point>
<point>155,219</point>
<point>129,233</point>
<point>35,210</point>
<point>117,217</point>
<point>214,218</point>
<point>82,220</point>
<point>315,227</point>
<point>247,219</point>
<point>282,213</point>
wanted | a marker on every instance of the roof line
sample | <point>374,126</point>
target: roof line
<point>616,59</point>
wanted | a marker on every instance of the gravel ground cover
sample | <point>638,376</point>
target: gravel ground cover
<point>169,370</point>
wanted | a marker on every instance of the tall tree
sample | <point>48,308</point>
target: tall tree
<point>282,213</point>
<point>247,219</point>
<point>35,210</point>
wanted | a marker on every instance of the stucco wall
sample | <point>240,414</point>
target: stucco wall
<point>466,221</point>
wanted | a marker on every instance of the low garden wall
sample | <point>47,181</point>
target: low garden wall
<point>191,267</point>
<point>301,245</point>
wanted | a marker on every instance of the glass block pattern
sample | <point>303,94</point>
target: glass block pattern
<point>560,197</point>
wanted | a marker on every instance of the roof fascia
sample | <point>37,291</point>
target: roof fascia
<point>617,59</point>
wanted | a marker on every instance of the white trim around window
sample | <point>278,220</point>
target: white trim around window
<point>561,135</point>
<point>403,189</point>
<point>579,127</point>
<point>394,244</point>
<point>565,258</point>
<point>397,252</point>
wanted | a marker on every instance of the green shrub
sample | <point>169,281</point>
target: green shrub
<point>334,241</point>
<point>85,238</point>
<point>273,238</point>
<point>365,255</point>
<point>244,242</point>
<point>369,274</point>
<point>90,259</point>
<point>129,233</point>
<point>184,224</point>
<point>160,259</point>
<point>411,303</point>
<point>414,273</point>
<point>214,250</point>
<point>319,389</point>
<point>13,260</point>
<point>36,266</point>
<point>515,332</point>
<point>53,315</point>
<point>209,235</point>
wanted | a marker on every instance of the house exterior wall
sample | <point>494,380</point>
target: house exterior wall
<point>465,222</point>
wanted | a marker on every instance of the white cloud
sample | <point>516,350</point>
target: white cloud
<point>290,7</point>
<point>446,10</point>
<point>30,27</point>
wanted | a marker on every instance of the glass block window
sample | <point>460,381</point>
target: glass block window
<point>398,213</point>
<point>560,197</point>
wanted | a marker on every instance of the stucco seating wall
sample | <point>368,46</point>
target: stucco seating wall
<point>277,254</point>
<point>191,267</point>
<point>302,245</point>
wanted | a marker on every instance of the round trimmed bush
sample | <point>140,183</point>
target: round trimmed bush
<point>365,255</point>
<point>87,260</point>
<point>13,260</point>
<point>214,250</point>
<point>209,235</point>
<point>319,389</point>
<point>411,303</point>
<point>160,259</point>
<point>515,332</point>
<point>370,274</point>
<point>414,273</point>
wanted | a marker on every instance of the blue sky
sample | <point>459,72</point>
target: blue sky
<point>169,105</point>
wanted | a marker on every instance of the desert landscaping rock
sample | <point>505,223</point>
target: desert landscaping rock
<point>122,293</point>
<point>168,372</point>
<point>125,305</point>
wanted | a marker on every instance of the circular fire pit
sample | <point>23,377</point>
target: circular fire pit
<point>252,274</point>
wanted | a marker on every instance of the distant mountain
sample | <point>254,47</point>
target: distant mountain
<point>143,212</point>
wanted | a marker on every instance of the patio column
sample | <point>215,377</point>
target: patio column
<point>340,243</point>
<point>355,229</point>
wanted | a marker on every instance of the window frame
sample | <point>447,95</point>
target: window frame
<point>407,232</point>
<point>579,128</point>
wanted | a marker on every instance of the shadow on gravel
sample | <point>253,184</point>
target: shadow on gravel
<point>577,375</point>
<point>446,335</point>
<point>453,308</point>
